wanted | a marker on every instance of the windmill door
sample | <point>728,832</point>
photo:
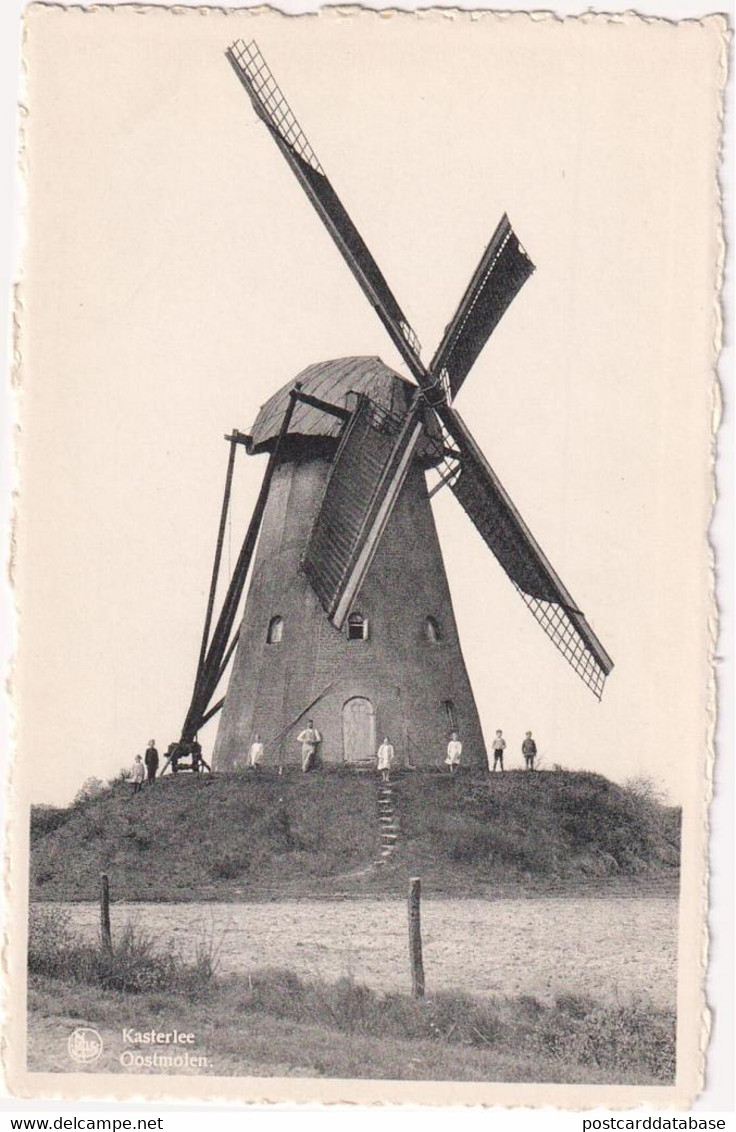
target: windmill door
<point>358,730</point>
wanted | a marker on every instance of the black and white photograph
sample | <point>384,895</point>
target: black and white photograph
<point>365,370</point>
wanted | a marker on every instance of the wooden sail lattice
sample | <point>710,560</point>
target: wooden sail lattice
<point>565,635</point>
<point>368,471</point>
<point>271,99</point>
<point>503,530</point>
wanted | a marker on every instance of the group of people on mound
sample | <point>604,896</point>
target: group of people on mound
<point>310,739</point>
<point>145,768</point>
<point>495,755</point>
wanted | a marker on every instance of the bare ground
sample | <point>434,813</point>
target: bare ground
<point>610,948</point>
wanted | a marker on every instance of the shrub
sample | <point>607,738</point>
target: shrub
<point>50,937</point>
<point>645,789</point>
<point>91,826</point>
<point>136,964</point>
<point>229,864</point>
<point>206,957</point>
<point>279,827</point>
<point>470,845</point>
<point>90,789</point>
<point>121,778</point>
<point>575,1028</point>
<point>139,837</point>
<point>615,1037</point>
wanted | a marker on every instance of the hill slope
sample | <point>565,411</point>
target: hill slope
<point>240,837</point>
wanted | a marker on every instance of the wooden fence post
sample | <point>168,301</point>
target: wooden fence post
<point>105,913</point>
<point>415,938</point>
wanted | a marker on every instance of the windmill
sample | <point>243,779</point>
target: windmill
<point>348,613</point>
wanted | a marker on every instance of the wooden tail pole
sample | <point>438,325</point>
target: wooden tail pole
<point>218,555</point>
<point>209,672</point>
<point>415,938</point>
<point>105,913</point>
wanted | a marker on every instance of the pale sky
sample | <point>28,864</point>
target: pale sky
<point>176,276</point>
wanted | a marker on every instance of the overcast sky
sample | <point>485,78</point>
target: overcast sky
<point>176,276</point>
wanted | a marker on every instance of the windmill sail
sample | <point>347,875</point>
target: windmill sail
<point>486,502</point>
<point>271,106</point>
<point>500,275</point>
<point>373,459</point>
<point>369,469</point>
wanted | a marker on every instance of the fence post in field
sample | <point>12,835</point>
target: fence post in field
<point>415,938</point>
<point>105,913</point>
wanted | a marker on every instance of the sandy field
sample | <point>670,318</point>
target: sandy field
<point>609,948</point>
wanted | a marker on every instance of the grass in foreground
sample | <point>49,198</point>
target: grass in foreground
<point>271,1022</point>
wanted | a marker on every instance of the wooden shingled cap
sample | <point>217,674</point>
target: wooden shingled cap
<point>331,381</point>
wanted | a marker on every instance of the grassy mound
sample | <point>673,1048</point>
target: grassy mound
<point>240,836</point>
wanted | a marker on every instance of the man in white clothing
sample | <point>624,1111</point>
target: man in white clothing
<point>454,751</point>
<point>310,739</point>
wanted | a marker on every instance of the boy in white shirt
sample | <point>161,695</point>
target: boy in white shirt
<point>499,746</point>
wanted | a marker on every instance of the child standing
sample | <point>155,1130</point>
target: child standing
<point>499,746</point>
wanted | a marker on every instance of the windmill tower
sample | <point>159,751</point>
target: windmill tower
<point>394,666</point>
<point>348,616</point>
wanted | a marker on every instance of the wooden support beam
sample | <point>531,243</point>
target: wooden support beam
<point>212,711</point>
<point>229,652</point>
<point>236,437</point>
<point>302,713</point>
<point>324,406</point>
<point>443,480</point>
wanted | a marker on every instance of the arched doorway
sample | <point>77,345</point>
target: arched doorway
<point>358,730</point>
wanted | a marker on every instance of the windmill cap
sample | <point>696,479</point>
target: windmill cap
<point>332,381</point>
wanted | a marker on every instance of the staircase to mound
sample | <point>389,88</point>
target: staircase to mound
<point>388,823</point>
<point>388,827</point>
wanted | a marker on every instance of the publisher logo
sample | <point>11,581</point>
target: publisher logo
<point>84,1045</point>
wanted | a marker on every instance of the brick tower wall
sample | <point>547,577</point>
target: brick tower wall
<point>408,677</point>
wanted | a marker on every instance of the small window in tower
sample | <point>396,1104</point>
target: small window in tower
<point>357,627</point>
<point>450,713</point>
<point>432,629</point>
<point>275,630</point>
